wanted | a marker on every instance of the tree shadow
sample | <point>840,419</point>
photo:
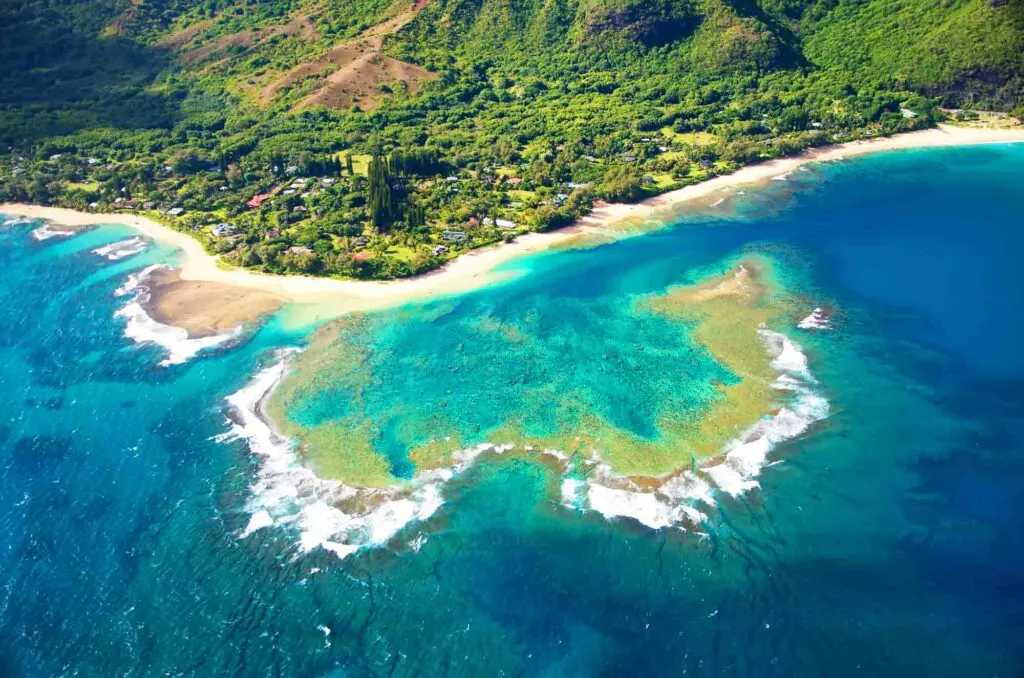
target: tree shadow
<point>59,76</point>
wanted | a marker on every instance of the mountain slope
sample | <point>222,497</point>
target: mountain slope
<point>455,114</point>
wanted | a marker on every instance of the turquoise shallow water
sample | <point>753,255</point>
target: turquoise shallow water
<point>886,541</point>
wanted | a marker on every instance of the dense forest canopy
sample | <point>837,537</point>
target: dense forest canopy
<point>387,135</point>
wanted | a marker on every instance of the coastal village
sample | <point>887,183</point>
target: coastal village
<point>315,214</point>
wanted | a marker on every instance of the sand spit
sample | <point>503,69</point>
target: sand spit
<point>473,270</point>
<point>203,308</point>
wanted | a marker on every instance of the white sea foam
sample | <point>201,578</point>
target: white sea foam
<point>782,177</point>
<point>747,455</point>
<point>143,329</point>
<point>342,519</point>
<point>817,320</point>
<point>137,280</point>
<point>258,521</point>
<point>122,248</point>
<point>48,230</point>
<point>656,509</point>
<point>328,514</point>
<point>787,354</point>
<point>8,222</point>
<point>643,507</point>
<point>574,493</point>
<point>718,202</point>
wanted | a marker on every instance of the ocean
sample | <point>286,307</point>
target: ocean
<point>484,502</point>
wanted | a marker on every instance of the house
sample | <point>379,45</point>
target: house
<point>907,113</point>
<point>439,250</point>
<point>300,208</point>
<point>176,211</point>
<point>472,221</point>
<point>328,181</point>
<point>504,223</point>
<point>258,200</point>
<point>300,249</point>
<point>148,205</point>
<point>627,157</point>
<point>360,241</point>
<point>93,205</point>
<point>576,184</point>
<point>288,191</point>
<point>224,230</point>
<point>561,198</point>
<point>55,156</point>
<point>272,234</point>
<point>451,178</point>
<point>454,236</point>
<point>515,181</point>
<point>93,161</point>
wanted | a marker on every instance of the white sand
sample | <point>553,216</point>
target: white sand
<point>477,268</point>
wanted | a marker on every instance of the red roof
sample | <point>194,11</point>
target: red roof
<point>257,200</point>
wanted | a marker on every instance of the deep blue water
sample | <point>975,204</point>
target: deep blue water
<point>886,543</point>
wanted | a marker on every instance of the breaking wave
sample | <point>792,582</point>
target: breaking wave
<point>342,519</point>
<point>48,230</point>
<point>122,248</point>
<point>327,514</point>
<point>819,319</point>
<point>142,329</point>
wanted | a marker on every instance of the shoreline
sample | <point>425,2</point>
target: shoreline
<point>475,269</point>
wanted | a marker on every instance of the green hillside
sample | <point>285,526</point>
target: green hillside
<point>480,111</point>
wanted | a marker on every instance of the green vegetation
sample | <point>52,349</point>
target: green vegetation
<point>375,139</point>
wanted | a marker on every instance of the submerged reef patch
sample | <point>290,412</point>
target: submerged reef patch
<point>649,384</point>
<point>645,404</point>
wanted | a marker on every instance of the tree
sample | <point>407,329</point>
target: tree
<point>382,210</point>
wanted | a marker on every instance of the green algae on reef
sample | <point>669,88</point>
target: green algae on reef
<point>651,383</point>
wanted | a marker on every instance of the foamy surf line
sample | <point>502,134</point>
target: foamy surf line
<point>342,519</point>
<point>142,329</point>
<point>327,514</point>
<point>48,230</point>
<point>9,221</point>
<point>676,503</point>
<point>122,248</point>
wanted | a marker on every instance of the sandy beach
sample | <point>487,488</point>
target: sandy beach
<point>204,308</point>
<point>330,297</point>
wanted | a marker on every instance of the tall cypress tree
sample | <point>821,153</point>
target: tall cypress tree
<point>382,212</point>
